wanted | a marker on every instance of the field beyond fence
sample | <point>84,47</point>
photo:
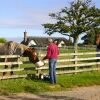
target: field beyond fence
<point>85,60</point>
<point>74,62</point>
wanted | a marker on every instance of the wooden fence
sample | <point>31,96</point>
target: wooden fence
<point>67,63</point>
<point>9,64</point>
<point>73,63</point>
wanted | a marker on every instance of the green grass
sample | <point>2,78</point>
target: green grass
<point>64,82</point>
<point>81,79</point>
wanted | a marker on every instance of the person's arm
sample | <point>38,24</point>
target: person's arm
<point>48,54</point>
<point>45,57</point>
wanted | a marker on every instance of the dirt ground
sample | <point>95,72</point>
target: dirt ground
<point>80,93</point>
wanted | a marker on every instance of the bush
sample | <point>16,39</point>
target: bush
<point>3,40</point>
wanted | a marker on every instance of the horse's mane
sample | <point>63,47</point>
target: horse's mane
<point>12,48</point>
<point>16,48</point>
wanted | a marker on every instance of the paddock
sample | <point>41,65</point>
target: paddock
<point>68,63</point>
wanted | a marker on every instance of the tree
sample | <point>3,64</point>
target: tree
<point>79,18</point>
<point>3,40</point>
<point>90,38</point>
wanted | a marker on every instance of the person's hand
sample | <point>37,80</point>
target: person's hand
<point>44,58</point>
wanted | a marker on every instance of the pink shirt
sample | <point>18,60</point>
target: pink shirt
<point>52,51</point>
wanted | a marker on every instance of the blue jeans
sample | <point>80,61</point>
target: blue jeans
<point>97,50</point>
<point>52,70</point>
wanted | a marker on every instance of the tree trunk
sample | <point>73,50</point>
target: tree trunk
<point>75,45</point>
<point>75,51</point>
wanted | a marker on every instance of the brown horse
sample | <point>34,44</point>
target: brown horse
<point>32,54</point>
<point>13,48</point>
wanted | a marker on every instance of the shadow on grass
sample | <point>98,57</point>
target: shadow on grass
<point>30,68</point>
<point>34,78</point>
<point>38,97</point>
<point>58,97</point>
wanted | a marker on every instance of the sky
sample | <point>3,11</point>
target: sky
<point>16,16</point>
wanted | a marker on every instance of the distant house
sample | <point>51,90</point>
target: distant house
<point>43,41</point>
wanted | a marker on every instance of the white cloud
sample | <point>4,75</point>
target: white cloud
<point>27,15</point>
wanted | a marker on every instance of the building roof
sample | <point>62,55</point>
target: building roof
<point>43,41</point>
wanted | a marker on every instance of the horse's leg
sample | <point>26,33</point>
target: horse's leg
<point>4,73</point>
<point>13,66</point>
<point>6,66</point>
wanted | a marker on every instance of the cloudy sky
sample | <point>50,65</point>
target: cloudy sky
<point>16,16</point>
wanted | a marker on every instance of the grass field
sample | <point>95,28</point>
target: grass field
<point>64,82</point>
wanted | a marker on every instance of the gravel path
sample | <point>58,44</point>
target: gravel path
<point>80,93</point>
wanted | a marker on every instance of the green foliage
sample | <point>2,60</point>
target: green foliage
<point>90,37</point>
<point>3,40</point>
<point>72,21</point>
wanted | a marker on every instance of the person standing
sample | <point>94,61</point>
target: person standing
<point>52,55</point>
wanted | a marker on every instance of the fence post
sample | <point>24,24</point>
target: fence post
<point>5,67</point>
<point>75,57</point>
<point>38,72</point>
<point>75,62</point>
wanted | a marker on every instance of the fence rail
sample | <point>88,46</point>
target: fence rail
<point>9,64</point>
<point>76,64</point>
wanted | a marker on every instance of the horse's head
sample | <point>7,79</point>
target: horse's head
<point>32,54</point>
